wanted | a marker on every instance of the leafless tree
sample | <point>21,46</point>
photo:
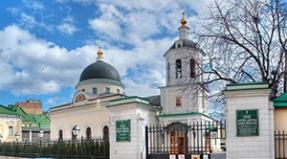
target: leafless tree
<point>246,41</point>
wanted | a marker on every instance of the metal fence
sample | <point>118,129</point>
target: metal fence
<point>196,138</point>
<point>280,144</point>
<point>93,148</point>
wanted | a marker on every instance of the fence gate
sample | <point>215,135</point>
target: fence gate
<point>181,141</point>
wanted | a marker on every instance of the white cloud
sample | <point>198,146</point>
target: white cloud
<point>35,66</point>
<point>30,22</point>
<point>105,26</point>
<point>36,5</point>
<point>67,26</point>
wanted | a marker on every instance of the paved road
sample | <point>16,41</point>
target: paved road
<point>218,156</point>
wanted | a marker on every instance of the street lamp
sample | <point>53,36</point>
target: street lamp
<point>17,135</point>
<point>41,135</point>
<point>76,130</point>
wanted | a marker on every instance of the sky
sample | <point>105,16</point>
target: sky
<point>45,45</point>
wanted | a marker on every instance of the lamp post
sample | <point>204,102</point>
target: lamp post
<point>41,135</point>
<point>17,135</point>
<point>75,131</point>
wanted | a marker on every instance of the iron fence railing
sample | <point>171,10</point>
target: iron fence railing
<point>280,144</point>
<point>93,148</point>
<point>196,138</point>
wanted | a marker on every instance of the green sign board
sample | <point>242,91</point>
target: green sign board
<point>123,130</point>
<point>247,122</point>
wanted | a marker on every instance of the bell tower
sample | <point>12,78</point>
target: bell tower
<point>182,93</point>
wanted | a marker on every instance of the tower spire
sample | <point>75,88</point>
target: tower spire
<point>183,29</point>
<point>183,20</point>
<point>100,54</point>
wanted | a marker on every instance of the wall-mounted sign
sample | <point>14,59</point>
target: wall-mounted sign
<point>195,156</point>
<point>181,156</point>
<point>172,157</point>
<point>123,130</point>
<point>247,122</point>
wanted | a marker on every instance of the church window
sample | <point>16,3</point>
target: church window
<point>83,90</point>
<point>168,71</point>
<point>10,131</point>
<point>106,133</point>
<point>178,68</point>
<point>118,91</point>
<point>88,133</point>
<point>80,98</point>
<point>192,68</point>
<point>178,101</point>
<point>95,90</point>
<point>108,89</point>
<point>61,135</point>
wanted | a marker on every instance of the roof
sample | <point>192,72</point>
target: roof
<point>186,43</point>
<point>280,101</point>
<point>100,70</point>
<point>247,86</point>
<point>6,111</point>
<point>154,100</point>
<point>32,120</point>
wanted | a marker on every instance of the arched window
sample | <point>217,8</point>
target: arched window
<point>88,133</point>
<point>106,133</point>
<point>61,135</point>
<point>192,68</point>
<point>178,69</point>
<point>168,71</point>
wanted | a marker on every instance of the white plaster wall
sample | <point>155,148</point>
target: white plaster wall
<point>88,114</point>
<point>193,100</point>
<point>253,147</point>
<point>140,117</point>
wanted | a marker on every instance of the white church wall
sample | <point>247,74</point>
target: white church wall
<point>189,102</point>
<point>93,115</point>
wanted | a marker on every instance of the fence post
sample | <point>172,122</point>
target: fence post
<point>146,141</point>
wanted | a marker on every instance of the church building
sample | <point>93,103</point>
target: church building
<point>100,97</point>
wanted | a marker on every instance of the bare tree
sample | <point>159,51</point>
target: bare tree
<point>246,41</point>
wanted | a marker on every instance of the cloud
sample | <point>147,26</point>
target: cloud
<point>29,22</point>
<point>33,4</point>
<point>67,26</point>
<point>34,66</point>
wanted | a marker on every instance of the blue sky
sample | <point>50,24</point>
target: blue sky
<point>46,44</point>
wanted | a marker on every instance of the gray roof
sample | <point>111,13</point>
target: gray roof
<point>100,70</point>
<point>154,100</point>
<point>186,43</point>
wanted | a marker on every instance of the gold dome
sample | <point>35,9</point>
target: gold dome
<point>183,20</point>
<point>100,54</point>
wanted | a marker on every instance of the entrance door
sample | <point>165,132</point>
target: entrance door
<point>178,143</point>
